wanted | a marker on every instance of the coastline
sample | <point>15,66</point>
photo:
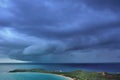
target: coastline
<point>69,78</point>
<point>75,75</point>
<point>60,75</point>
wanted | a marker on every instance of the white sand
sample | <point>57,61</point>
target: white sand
<point>67,77</point>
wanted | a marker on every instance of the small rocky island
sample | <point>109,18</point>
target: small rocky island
<point>76,75</point>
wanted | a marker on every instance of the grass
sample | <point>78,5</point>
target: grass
<point>77,75</point>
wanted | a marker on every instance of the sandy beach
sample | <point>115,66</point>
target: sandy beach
<point>69,78</point>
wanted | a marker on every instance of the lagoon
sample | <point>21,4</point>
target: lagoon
<point>30,76</point>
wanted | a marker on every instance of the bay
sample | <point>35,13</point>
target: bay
<point>30,76</point>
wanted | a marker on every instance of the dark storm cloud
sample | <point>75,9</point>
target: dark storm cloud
<point>104,4</point>
<point>44,30</point>
<point>59,17</point>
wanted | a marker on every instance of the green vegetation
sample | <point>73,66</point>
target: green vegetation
<point>77,75</point>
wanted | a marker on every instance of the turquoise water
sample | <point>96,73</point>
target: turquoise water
<point>30,76</point>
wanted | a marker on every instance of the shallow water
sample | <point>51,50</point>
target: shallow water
<point>30,76</point>
<point>97,67</point>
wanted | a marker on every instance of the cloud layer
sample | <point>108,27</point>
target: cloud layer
<point>60,30</point>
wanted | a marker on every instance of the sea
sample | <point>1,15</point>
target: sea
<point>66,67</point>
<point>30,76</point>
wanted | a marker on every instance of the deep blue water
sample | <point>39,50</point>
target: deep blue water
<point>30,76</point>
<point>97,67</point>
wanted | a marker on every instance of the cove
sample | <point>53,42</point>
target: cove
<point>30,76</point>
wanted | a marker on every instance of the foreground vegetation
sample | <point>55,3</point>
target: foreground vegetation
<point>77,75</point>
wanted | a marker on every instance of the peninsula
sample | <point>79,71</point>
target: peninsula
<point>75,75</point>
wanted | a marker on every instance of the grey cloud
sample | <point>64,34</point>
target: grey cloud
<point>73,18</point>
<point>53,29</point>
<point>104,4</point>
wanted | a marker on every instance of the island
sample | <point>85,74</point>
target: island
<point>76,75</point>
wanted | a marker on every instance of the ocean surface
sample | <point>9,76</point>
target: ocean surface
<point>30,76</point>
<point>96,67</point>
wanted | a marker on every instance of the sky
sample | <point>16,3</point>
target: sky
<point>60,31</point>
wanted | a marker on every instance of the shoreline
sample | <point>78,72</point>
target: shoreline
<point>75,75</point>
<point>60,75</point>
<point>69,78</point>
